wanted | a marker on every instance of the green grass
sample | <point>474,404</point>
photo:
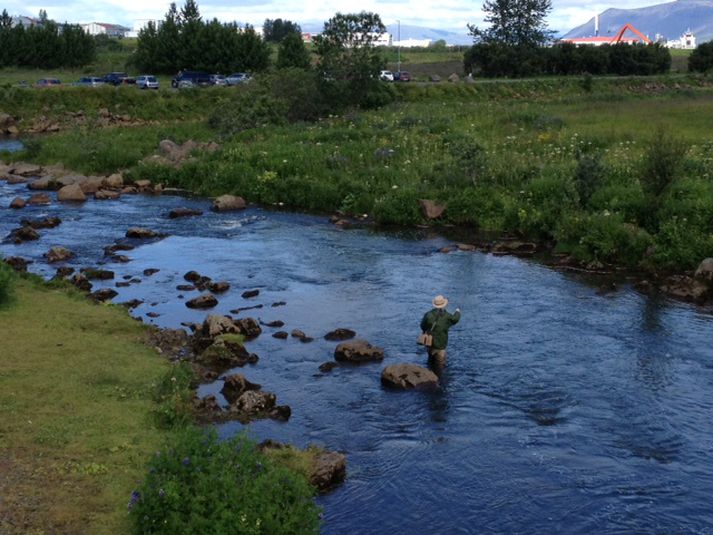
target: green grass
<point>76,424</point>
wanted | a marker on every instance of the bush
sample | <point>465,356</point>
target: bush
<point>398,207</point>
<point>199,484</point>
<point>588,176</point>
<point>7,280</point>
<point>701,59</point>
<point>174,397</point>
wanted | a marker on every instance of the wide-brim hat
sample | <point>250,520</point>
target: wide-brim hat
<point>439,301</point>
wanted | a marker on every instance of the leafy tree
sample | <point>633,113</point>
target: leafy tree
<point>43,17</point>
<point>701,59</point>
<point>274,31</point>
<point>292,52</point>
<point>5,20</point>
<point>514,22</point>
<point>348,58</point>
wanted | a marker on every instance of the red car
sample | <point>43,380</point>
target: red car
<point>48,82</point>
<point>402,76</point>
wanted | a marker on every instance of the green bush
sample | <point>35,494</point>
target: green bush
<point>199,484</point>
<point>680,245</point>
<point>398,207</point>
<point>7,280</point>
<point>174,397</point>
<point>588,176</point>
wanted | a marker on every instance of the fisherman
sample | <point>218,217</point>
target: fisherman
<point>436,322</point>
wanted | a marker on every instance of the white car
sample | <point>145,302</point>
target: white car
<point>386,76</point>
<point>146,81</point>
<point>237,78</point>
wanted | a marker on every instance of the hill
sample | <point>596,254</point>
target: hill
<point>669,20</point>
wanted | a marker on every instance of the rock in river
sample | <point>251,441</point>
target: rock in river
<point>104,294</point>
<point>408,376</point>
<point>58,254</point>
<point>202,301</point>
<point>340,334</point>
<point>235,386</point>
<point>358,351</point>
<point>704,272</point>
<point>184,212</point>
<point>225,203</point>
<point>71,193</point>
<point>38,199</point>
<point>141,233</point>
<point>17,203</point>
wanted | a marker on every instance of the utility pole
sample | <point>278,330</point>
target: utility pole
<point>398,48</point>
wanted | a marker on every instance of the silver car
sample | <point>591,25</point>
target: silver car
<point>146,81</point>
<point>237,78</point>
<point>89,81</point>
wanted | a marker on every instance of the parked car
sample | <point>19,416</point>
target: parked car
<point>118,78</point>
<point>402,76</point>
<point>191,79</point>
<point>90,81</point>
<point>218,79</point>
<point>386,76</point>
<point>237,78</point>
<point>146,81</point>
<point>48,82</point>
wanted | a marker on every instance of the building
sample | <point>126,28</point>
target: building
<point>22,20</point>
<point>408,43</point>
<point>686,42</point>
<point>103,28</point>
<point>598,40</point>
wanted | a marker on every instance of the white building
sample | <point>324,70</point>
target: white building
<point>103,28</point>
<point>686,42</point>
<point>407,43</point>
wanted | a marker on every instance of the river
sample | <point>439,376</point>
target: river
<point>561,409</point>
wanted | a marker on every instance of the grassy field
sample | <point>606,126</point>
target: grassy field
<point>76,424</point>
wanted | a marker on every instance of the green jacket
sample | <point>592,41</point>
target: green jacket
<point>443,321</point>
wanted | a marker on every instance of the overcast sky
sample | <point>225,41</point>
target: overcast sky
<point>452,15</point>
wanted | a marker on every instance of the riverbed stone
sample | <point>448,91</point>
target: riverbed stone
<point>97,274</point>
<point>71,193</point>
<point>687,288</point>
<point>406,376</point>
<point>104,294</point>
<point>26,169</point>
<point>23,234</point>
<point>17,263</point>
<point>91,184</point>
<point>16,179</point>
<point>327,367</point>
<point>150,271</point>
<point>18,203</point>
<point>225,352</point>
<point>192,276</point>
<point>280,335</point>
<point>44,222</point>
<point>296,333</point>
<point>255,402</point>
<point>39,199</point>
<point>431,209</point>
<point>184,212</point>
<point>276,323</point>
<point>235,386</point>
<point>250,294</point>
<point>202,301</point>
<point>218,286</point>
<point>214,325</point>
<point>115,181</point>
<point>226,203</point>
<point>42,183</point>
<point>704,272</point>
<point>514,247</point>
<point>141,233</point>
<point>185,288</point>
<point>329,470</point>
<point>248,327</point>
<point>358,351</point>
<point>107,195</point>
<point>58,254</point>
<point>340,334</point>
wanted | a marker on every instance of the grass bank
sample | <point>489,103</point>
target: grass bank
<point>76,402</point>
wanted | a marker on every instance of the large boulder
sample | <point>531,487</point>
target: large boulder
<point>202,301</point>
<point>255,402</point>
<point>215,325</point>
<point>58,254</point>
<point>104,294</point>
<point>26,169</point>
<point>91,184</point>
<point>225,203</point>
<point>71,193</point>
<point>17,203</point>
<point>329,469</point>
<point>248,327</point>
<point>227,351</point>
<point>704,272</point>
<point>42,183</point>
<point>23,234</point>
<point>358,351</point>
<point>114,181</point>
<point>408,376</point>
<point>431,209</point>
<point>235,386</point>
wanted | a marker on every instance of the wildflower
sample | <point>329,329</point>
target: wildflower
<point>135,497</point>
<point>161,493</point>
<point>186,461</point>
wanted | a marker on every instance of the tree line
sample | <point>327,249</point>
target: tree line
<point>47,45</point>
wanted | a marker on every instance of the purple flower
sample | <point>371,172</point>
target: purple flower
<point>186,461</point>
<point>161,493</point>
<point>135,497</point>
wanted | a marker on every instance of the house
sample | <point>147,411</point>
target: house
<point>686,42</point>
<point>102,28</point>
<point>22,20</point>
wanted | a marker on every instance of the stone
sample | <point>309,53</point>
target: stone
<point>225,352</point>
<point>207,405</point>
<point>142,184</point>
<point>235,386</point>
<point>63,272</point>
<point>243,309</point>
<point>405,376</point>
<point>129,190</point>
<point>358,351</point>
<point>111,249</point>
<point>169,148</point>
<point>340,334</point>
<point>250,293</point>
<point>16,179</point>
<point>248,327</point>
<point>215,325</point>
<point>24,234</point>
<point>327,367</point>
<point>453,78</point>
<point>26,169</point>
<point>280,335</point>
<point>466,247</point>
<point>434,78</point>
<point>132,304</point>
<point>141,233</point>
<point>107,195</point>
<point>67,180</point>
<point>306,339</point>
<point>150,271</point>
<point>123,284</point>
<point>104,294</point>
<point>329,469</point>
<point>192,276</point>
<point>255,402</point>
<point>47,222</point>
<point>202,301</point>
<point>431,209</point>
<point>184,212</point>
<point>71,193</point>
<point>276,323</point>
<point>218,287</point>
<point>226,203</point>
<point>97,274</point>
<point>42,183</point>
<point>114,181</point>
<point>81,282</point>
<point>704,271</point>
<point>281,412</point>
<point>278,304</point>
<point>520,248</point>
<point>91,184</point>
<point>296,333</point>
<point>185,287</point>
<point>18,264</point>
<point>687,288</point>
<point>120,258</point>
<point>38,199</point>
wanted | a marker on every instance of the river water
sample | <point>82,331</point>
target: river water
<point>561,410</point>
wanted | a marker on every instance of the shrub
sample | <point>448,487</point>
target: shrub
<point>174,397</point>
<point>468,155</point>
<point>701,59</point>
<point>7,279</point>
<point>588,176</point>
<point>680,244</point>
<point>199,484</point>
<point>398,207</point>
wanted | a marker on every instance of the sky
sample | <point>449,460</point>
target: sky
<point>451,15</point>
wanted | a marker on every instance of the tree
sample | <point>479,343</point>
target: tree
<point>43,17</point>
<point>701,59</point>
<point>5,20</point>
<point>348,58</point>
<point>515,23</point>
<point>274,31</point>
<point>292,52</point>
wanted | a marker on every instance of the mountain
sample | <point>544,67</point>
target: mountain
<point>669,20</point>
<point>409,32</point>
